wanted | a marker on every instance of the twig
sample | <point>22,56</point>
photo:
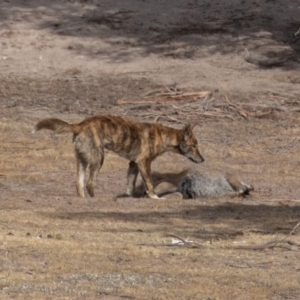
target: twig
<point>270,244</point>
<point>218,116</point>
<point>189,244</point>
<point>175,120</point>
<point>293,230</point>
<point>281,94</point>
<point>150,105</point>
<point>244,266</point>
<point>192,96</point>
<point>297,32</point>
<point>281,243</point>
<point>273,243</point>
<point>249,265</point>
<point>124,102</point>
<point>261,115</point>
<point>247,52</point>
<point>238,109</point>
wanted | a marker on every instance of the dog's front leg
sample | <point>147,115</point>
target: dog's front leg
<point>132,174</point>
<point>145,169</point>
<point>81,167</point>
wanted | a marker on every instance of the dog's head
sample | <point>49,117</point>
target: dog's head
<point>188,145</point>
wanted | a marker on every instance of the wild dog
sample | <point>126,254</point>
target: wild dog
<point>140,143</point>
<point>192,185</point>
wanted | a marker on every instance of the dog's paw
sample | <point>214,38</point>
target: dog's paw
<point>156,197</point>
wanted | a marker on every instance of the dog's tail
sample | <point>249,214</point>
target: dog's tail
<point>56,125</point>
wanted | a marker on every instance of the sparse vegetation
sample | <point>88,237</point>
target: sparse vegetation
<point>73,59</point>
<point>100,247</point>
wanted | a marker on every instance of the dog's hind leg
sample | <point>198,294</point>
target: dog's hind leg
<point>132,174</point>
<point>95,167</point>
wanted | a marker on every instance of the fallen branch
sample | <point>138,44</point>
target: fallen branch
<point>160,92</point>
<point>206,114</point>
<point>249,265</point>
<point>281,243</point>
<point>150,105</point>
<point>295,227</point>
<point>174,119</point>
<point>265,62</point>
<point>241,266</point>
<point>189,244</point>
<point>193,96</point>
<point>182,96</point>
<point>195,105</point>
<point>274,243</point>
<point>240,111</point>
<point>262,114</point>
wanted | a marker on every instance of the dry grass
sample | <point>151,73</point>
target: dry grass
<point>76,59</point>
<point>57,246</point>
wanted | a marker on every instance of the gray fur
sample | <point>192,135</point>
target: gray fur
<point>198,185</point>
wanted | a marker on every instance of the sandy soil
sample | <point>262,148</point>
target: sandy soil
<point>74,59</point>
<point>195,44</point>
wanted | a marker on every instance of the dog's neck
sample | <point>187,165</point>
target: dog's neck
<point>171,138</point>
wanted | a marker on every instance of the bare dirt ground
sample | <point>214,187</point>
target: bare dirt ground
<point>74,59</point>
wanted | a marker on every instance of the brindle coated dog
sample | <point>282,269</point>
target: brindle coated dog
<point>140,143</point>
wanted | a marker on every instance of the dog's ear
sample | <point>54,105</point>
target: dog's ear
<point>188,130</point>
